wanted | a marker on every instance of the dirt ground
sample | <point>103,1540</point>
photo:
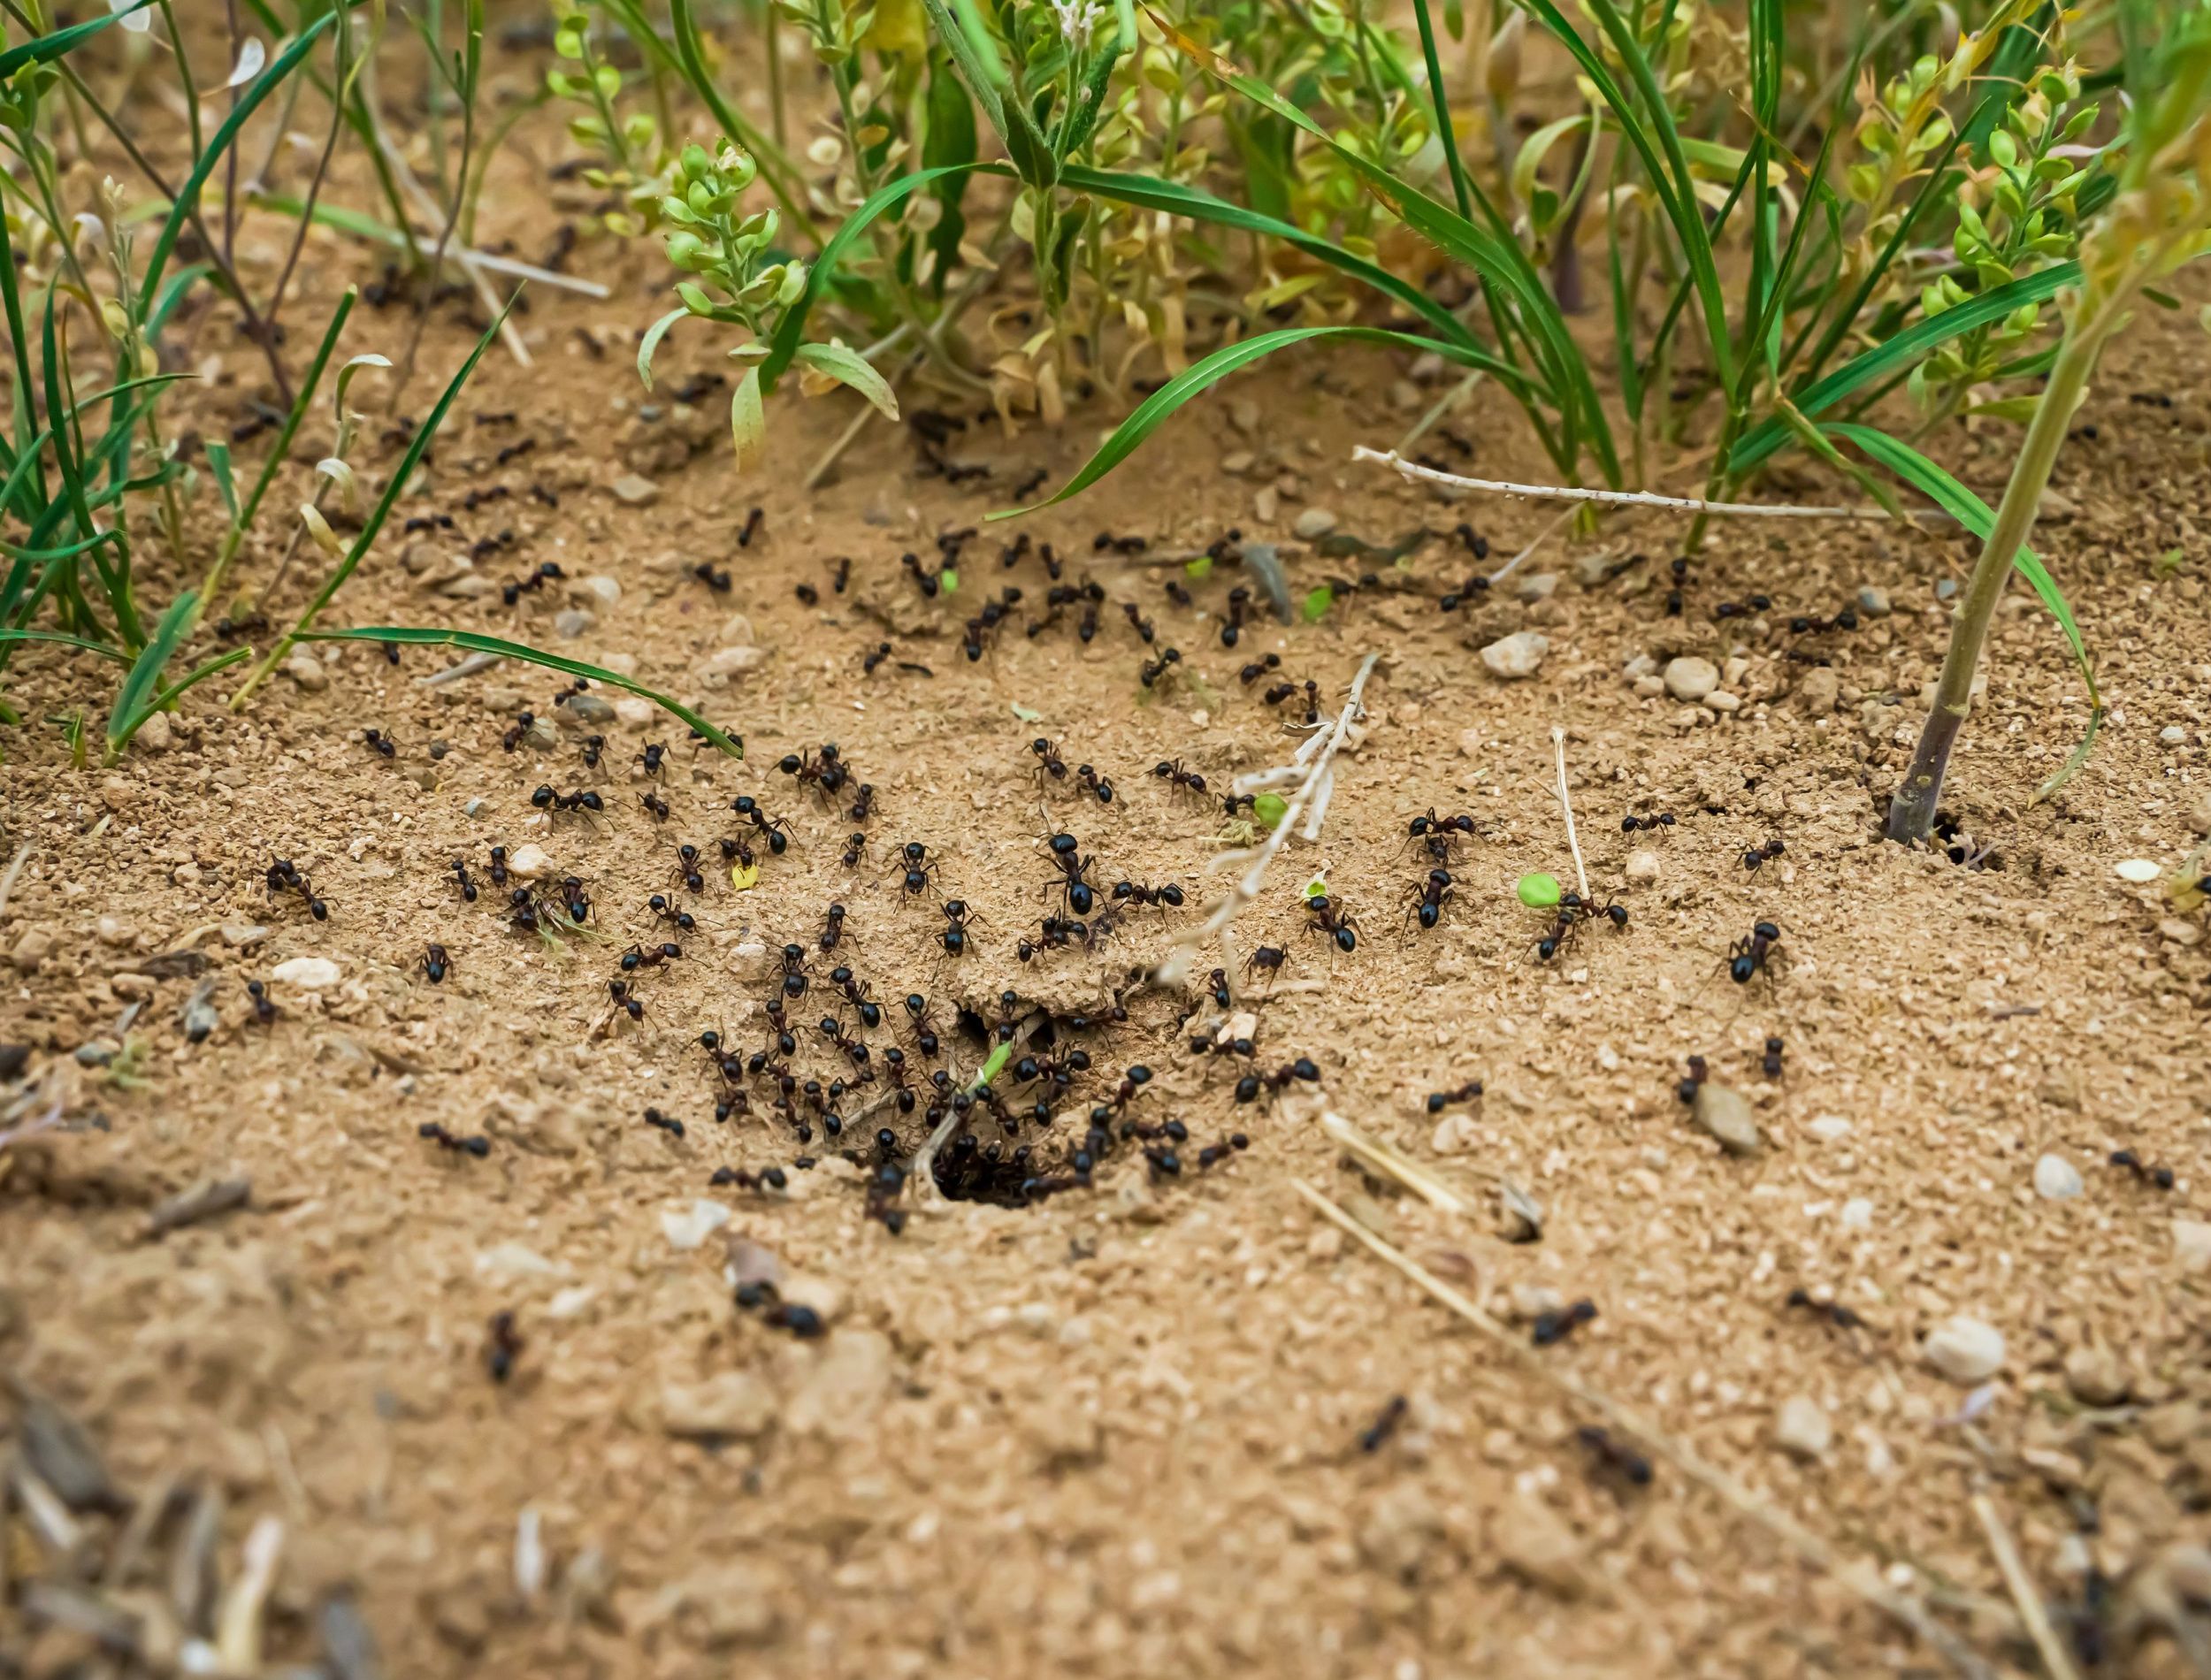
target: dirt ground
<point>1149,1424</point>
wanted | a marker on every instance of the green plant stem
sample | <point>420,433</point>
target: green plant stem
<point>1911,811</point>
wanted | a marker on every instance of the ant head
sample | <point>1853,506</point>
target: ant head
<point>790,764</point>
<point>543,797</point>
<point>1064,845</point>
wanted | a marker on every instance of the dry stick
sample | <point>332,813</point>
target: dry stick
<point>1610,497</point>
<point>2022,1591</point>
<point>1171,968</point>
<point>15,868</point>
<point>1858,1578</point>
<point>1566,804</point>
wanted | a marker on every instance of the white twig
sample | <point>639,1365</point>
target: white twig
<point>1566,804</point>
<point>2021,1584</point>
<point>15,868</point>
<point>1534,542</point>
<point>1610,497</point>
<point>1171,968</point>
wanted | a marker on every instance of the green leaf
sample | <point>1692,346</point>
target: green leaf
<point>949,141</point>
<point>1977,516</point>
<point>134,701</point>
<point>1539,892</point>
<point>1200,376</point>
<point>748,422</point>
<point>972,71</point>
<point>1899,354</point>
<point>651,342</point>
<point>403,637</point>
<point>1317,602</point>
<point>47,47</point>
<point>845,365</point>
<point>226,481</point>
<point>1269,809</point>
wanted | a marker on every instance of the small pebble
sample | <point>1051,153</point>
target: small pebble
<point>33,948</point>
<point>1726,1113</point>
<point>687,1228</point>
<point>1946,588</point>
<point>1802,1429</point>
<point>308,973</point>
<point>2139,871</point>
<point>1874,602</point>
<point>573,622</point>
<point>1537,586</point>
<point>1829,1128</point>
<point>578,710</point>
<point>1314,522</point>
<point>1965,1350</point>
<point>1689,679</point>
<point>1642,867</point>
<point>2191,1243</point>
<point>1517,655</point>
<point>305,669</point>
<point>530,862</point>
<point>2095,1375</point>
<point>2056,1179</point>
<point>113,930</point>
<point>632,490</point>
<point>1816,694</point>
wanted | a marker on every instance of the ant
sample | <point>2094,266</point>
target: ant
<point>581,799</point>
<point>880,651</point>
<point>1055,932</point>
<point>928,581</point>
<point>750,529</point>
<point>1631,825</point>
<point>1049,761</point>
<point>654,803</point>
<point>654,759</point>
<point>435,963</point>
<point>823,771</point>
<point>667,1123</point>
<point>2161,1176</point>
<point>499,865</point>
<point>385,745</point>
<point>1440,836</point>
<point>1803,624</point>
<point>795,971</point>
<point>1754,952</point>
<point>863,803</point>
<point>1304,1068</point>
<point>1771,1063</point>
<point>856,994</point>
<point>594,747</point>
<point>625,998</point>
<point>925,1031</point>
<point>957,916</point>
<point>284,877</point>
<point>264,1010</point>
<point>1239,601</point>
<point>461,879</point>
<point>854,847</point>
<point>1271,959</point>
<point>662,906</point>
<point>1557,1326</point>
<point>1136,892</point>
<point>1742,609</point>
<point>1438,1100</point>
<point>1235,1144</point>
<point>1171,772</point>
<point>530,584</point>
<point>1757,855</point>
<point>1154,669</point>
<point>520,727</point>
<point>478,1147</point>
<point>920,872</point>
<point>843,574</point>
<point>832,928</point>
<point>775,828</point>
<point>1373,1438</point>
<point>808,594</point>
<point>1257,669</point>
<point>636,956</point>
<point>1613,1459</point>
<point>1145,631</point>
<point>1093,782</point>
<point>1428,897</point>
<point>1079,894</point>
<point>718,581</point>
<point>1835,1312</point>
<point>503,1347</point>
<point>687,867</point>
<point>1326,919</point>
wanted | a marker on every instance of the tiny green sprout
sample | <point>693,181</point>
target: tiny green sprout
<point>1318,602</point>
<point>948,579</point>
<point>1199,569</point>
<point>1270,809</point>
<point>1538,891</point>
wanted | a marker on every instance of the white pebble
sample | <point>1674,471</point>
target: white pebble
<point>2140,871</point>
<point>688,1228</point>
<point>309,973</point>
<point>2056,1179</point>
<point>530,862</point>
<point>1965,1350</point>
<point>1802,1429</point>
<point>1515,655</point>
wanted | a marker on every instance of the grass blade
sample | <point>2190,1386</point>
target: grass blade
<point>1194,381</point>
<point>1977,516</point>
<point>399,636</point>
<point>47,47</point>
<point>132,706</point>
<point>83,645</point>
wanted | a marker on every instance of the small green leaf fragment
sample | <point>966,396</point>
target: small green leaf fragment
<point>1317,888</point>
<point>1317,604</point>
<point>1199,569</point>
<point>948,579</point>
<point>1270,809</point>
<point>1538,891</point>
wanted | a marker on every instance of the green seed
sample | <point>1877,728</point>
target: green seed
<point>1538,892</point>
<point>1270,808</point>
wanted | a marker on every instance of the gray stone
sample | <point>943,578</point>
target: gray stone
<point>1689,679</point>
<point>33,948</point>
<point>1314,522</point>
<point>309,973</point>
<point>1537,586</point>
<point>586,709</point>
<point>632,490</point>
<point>1726,1113</point>
<point>1515,655</point>
<point>1801,1428</point>
<point>2056,1179</point>
<point>1965,1350</point>
<point>574,622</point>
<point>1944,588</point>
<point>305,669</point>
<point>1873,602</point>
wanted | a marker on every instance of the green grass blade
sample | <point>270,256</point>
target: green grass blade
<point>393,634</point>
<point>1438,92</point>
<point>1977,516</point>
<point>131,708</point>
<point>1192,381</point>
<point>1899,353</point>
<point>47,47</point>
<point>188,197</point>
<point>10,633</point>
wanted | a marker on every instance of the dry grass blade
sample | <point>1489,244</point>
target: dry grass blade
<point>1383,1161</point>
<point>1858,1577</point>
<point>2021,1585</point>
<point>1610,498</point>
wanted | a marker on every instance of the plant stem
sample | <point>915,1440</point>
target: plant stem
<point>1911,812</point>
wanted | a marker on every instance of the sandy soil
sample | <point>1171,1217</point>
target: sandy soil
<point>1147,1424</point>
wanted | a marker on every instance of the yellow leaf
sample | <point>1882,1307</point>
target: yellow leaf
<point>900,28</point>
<point>743,876</point>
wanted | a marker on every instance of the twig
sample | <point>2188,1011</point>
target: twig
<point>1610,497</point>
<point>1858,1578</point>
<point>1534,542</point>
<point>15,868</point>
<point>2022,1591</point>
<point>1566,804</point>
<point>1171,968</point>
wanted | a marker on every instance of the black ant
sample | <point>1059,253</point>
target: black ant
<point>1270,959</point>
<point>1429,898</point>
<point>666,1123</point>
<point>520,727</point>
<point>1742,609</point>
<point>928,580</point>
<point>1182,596</point>
<point>1079,895</point>
<point>843,574</point>
<point>880,653</point>
<point>957,916</point>
<point>1771,1063</point>
<point>1154,669</point>
<point>687,867</point>
<point>594,747</point>
<point>1652,824</point>
<point>1304,1068</point>
<point>1234,804</point>
<point>774,1178</point>
<point>920,872</point>
<point>1239,602</point>
<point>503,1347</point>
<point>775,828</point>
<point>2161,1176</point>
<point>434,964</point>
<point>855,990</point>
<point>1754,952</point>
<point>499,865</point>
<point>654,759</point>
<point>625,998</point>
<point>1438,1100</point>
<point>1171,772</point>
<point>863,803</point>
<point>854,847</point>
<point>1835,1312</point>
<point>284,877</point>
<point>750,529</point>
<point>636,956</point>
<point>1136,892</point>
<point>1055,932</point>
<point>1049,761</point>
<point>1236,1143</point>
<point>478,1147</point>
<point>1326,919</point>
<point>581,799</point>
<point>714,578</point>
<point>530,584</point>
<point>654,803</point>
<point>1371,1439</point>
<point>1145,631</point>
<point>832,928</point>
<point>1258,667</point>
<point>795,971</point>
<point>384,745</point>
<point>461,879</point>
<point>265,1011</point>
<point>1093,782</point>
<point>1757,855</point>
<point>1557,1326</point>
<point>1803,624</point>
<point>665,908</point>
<point>1610,1458</point>
<point>925,1031</point>
<point>1440,836</point>
<point>808,594</point>
<point>823,771</point>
